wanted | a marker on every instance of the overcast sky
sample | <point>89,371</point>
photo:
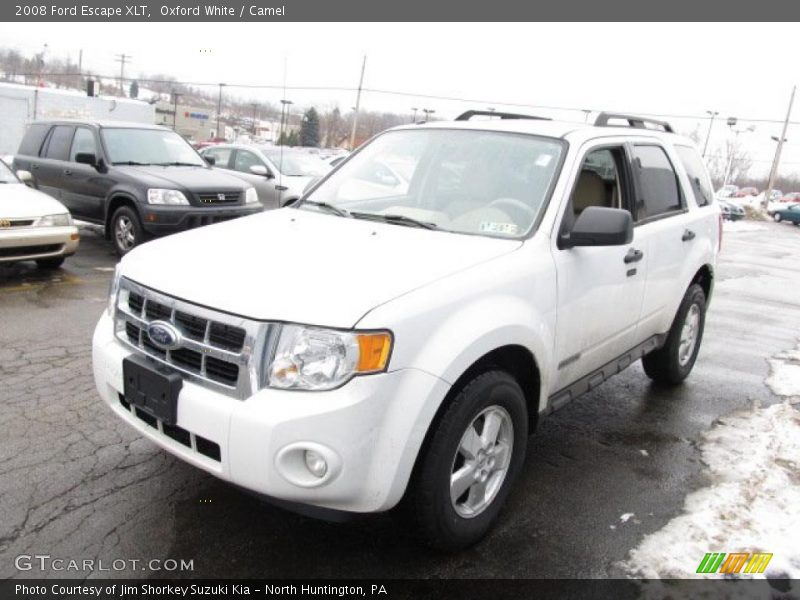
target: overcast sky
<point>743,70</point>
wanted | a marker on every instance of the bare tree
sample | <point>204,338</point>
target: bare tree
<point>731,160</point>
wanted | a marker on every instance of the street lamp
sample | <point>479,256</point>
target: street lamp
<point>175,97</point>
<point>414,117</point>
<point>219,106</point>
<point>713,114</point>
<point>428,112</point>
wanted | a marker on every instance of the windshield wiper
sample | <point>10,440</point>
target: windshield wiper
<point>398,219</point>
<point>329,207</point>
<point>177,164</point>
<point>132,163</point>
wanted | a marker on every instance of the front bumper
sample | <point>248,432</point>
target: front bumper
<point>163,220</point>
<point>31,243</point>
<point>369,430</point>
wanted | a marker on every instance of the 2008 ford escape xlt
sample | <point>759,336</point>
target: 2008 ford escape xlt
<point>407,334</point>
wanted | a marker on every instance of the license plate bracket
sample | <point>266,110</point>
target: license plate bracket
<point>153,388</point>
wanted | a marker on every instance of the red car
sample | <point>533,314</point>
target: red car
<point>748,191</point>
<point>793,197</point>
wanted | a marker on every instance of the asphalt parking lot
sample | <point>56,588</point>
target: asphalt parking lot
<point>76,483</point>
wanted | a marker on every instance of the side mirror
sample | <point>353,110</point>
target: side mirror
<point>25,177</point>
<point>86,158</point>
<point>260,170</point>
<point>600,226</point>
<point>210,160</point>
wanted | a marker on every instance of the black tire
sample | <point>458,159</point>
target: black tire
<point>777,217</point>
<point>123,216</point>
<point>667,364</point>
<point>50,263</point>
<point>428,505</point>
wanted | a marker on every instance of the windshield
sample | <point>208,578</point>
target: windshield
<point>479,182</point>
<point>148,147</point>
<point>296,163</point>
<point>6,175</point>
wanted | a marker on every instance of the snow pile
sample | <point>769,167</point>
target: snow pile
<point>738,226</point>
<point>752,504</point>
<point>784,378</point>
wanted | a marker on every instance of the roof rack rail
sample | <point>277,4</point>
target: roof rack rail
<point>603,119</point>
<point>502,115</point>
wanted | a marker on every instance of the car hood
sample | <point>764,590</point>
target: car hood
<point>302,266</point>
<point>189,178</point>
<point>18,201</point>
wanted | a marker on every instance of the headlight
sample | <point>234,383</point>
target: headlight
<point>251,196</point>
<point>159,196</point>
<point>112,292</point>
<point>55,220</point>
<point>309,358</point>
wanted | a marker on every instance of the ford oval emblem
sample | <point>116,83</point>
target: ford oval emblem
<point>164,335</point>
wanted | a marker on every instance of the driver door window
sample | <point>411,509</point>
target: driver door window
<point>244,160</point>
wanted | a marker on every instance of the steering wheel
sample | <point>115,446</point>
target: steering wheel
<point>516,209</point>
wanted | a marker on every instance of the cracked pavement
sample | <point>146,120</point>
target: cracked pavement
<point>76,483</point>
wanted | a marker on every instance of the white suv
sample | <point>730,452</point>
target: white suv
<point>371,345</point>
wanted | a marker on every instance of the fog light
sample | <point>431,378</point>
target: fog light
<point>315,463</point>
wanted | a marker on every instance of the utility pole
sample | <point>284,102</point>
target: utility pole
<point>358,105</point>
<point>773,173</point>
<point>122,59</point>
<point>713,114</point>
<point>255,108</point>
<point>175,97</point>
<point>80,68</point>
<point>219,107</point>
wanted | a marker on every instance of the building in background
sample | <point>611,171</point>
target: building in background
<point>194,123</point>
<point>20,105</point>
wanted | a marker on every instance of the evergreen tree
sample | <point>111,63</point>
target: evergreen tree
<point>309,131</point>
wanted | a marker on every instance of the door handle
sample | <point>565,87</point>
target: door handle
<point>67,172</point>
<point>687,235</point>
<point>34,166</point>
<point>281,188</point>
<point>633,255</point>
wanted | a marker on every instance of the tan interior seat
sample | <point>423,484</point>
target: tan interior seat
<point>590,191</point>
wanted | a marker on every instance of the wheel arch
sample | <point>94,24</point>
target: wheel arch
<point>704,277</point>
<point>116,200</point>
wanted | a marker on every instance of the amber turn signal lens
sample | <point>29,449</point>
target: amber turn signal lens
<point>374,349</point>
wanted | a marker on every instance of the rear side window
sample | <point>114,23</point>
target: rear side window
<point>59,142</point>
<point>658,184</point>
<point>698,175</point>
<point>32,142</point>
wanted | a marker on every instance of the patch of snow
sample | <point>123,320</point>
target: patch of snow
<point>752,504</point>
<point>739,226</point>
<point>625,517</point>
<point>784,378</point>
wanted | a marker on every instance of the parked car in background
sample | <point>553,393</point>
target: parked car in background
<point>33,226</point>
<point>790,214</point>
<point>745,192</point>
<point>136,180</point>
<point>727,191</point>
<point>791,198</point>
<point>730,211</point>
<point>278,174</point>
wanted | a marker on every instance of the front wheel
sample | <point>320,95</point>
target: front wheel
<point>777,217</point>
<point>475,453</point>
<point>673,362</point>
<point>126,230</point>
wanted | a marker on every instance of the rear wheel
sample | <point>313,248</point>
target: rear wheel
<point>126,230</point>
<point>673,362</point>
<point>475,453</point>
<point>50,263</point>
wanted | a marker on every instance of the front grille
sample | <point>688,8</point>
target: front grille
<point>29,250</point>
<point>16,223</point>
<point>219,197</point>
<point>215,348</point>
<point>186,438</point>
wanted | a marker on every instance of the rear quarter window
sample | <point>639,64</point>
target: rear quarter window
<point>697,173</point>
<point>34,137</point>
